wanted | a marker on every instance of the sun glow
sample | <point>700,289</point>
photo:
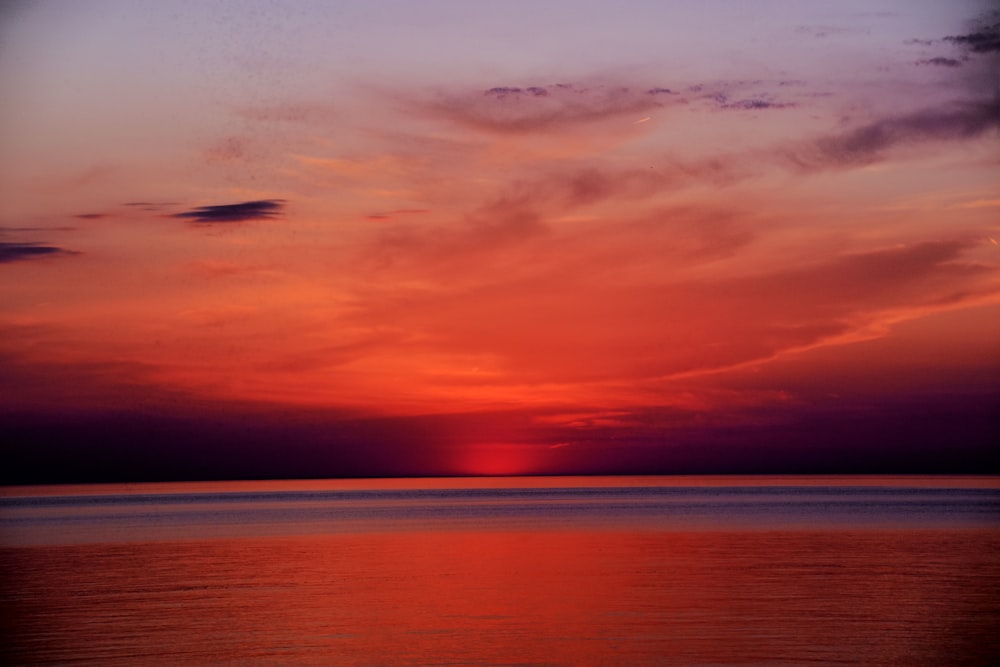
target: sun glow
<point>501,459</point>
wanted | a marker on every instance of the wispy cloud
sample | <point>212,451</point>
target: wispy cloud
<point>291,112</point>
<point>822,31</point>
<point>514,109</point>
<point>37,229</point>
<point>619,299</point>
<point>150,205</point>
<point>756,103</point>
<point>869,142</point>
<point>386,215</point>
<point>984,40</point>
<point>941,62</point>
<point>261,209</point>
<point>14,252</point>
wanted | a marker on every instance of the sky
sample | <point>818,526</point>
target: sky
<point>324,239</point>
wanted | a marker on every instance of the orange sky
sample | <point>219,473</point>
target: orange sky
<point>646,223</point>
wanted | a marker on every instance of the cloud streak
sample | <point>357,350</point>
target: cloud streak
<point>869,142</point>
<point>940,62</point>
<point>984,40</point>
<point>757,103</point>
<point>262,209</point>
<point>388,215</point>
<point>15,252</point>
<point>516,110</point>
<point>616,299</point>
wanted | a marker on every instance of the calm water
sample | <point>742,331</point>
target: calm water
<point>545,571</point>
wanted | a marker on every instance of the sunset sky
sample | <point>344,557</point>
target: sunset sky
<point>313,239</point>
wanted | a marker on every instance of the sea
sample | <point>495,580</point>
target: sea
<point>523,571</point>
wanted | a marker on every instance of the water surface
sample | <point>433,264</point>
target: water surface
<point>531,571</point>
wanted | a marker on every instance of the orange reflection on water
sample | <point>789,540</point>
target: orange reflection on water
<point>512,597</point>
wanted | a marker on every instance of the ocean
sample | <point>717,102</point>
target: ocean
<point>505,571</point>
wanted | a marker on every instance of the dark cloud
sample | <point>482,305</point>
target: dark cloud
<point>912,433</point>
<point>983,37</point>
<point>260,209</point>
<point>984,40</point>
<point>941,62</point>
<point>723,101</point>
<point>660,91</point>
<point>503,91</point>
<point>746,94</point>
<point>13,252</point>
<point>866,144</point>
<point>91,216</point>
<point>533,91</point>
<point>755,104</point>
